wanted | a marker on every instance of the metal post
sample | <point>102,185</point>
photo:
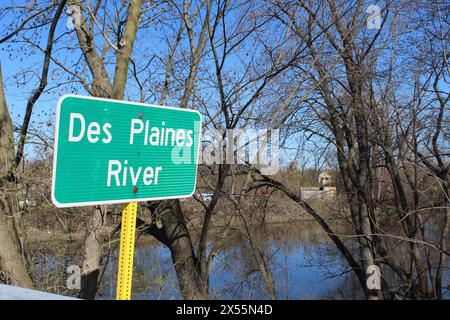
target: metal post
<point>126,253</point>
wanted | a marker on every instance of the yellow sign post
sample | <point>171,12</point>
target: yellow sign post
<point>126,253</point>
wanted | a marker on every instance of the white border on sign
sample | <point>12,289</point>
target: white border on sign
<point>93,203</point>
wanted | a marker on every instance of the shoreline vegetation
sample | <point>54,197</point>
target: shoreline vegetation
<point>55,231</point>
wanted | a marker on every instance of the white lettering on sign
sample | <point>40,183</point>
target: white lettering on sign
<point>160,136</point>
<point>135,129</point>
<point>74,116</point>
<point>117,171</point>
<point>93,130</point>
<point>120,174</point>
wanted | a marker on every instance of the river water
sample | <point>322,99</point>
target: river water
<point>303,262</point>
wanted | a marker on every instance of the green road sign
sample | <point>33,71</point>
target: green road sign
<point>110,151</point>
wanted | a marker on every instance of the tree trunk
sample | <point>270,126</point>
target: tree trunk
<point>125,49</point>
<point>103,88</point>
<point>92,256</point>
<point>192,286</point>
<point>443,238</point>
<point>12,262</point>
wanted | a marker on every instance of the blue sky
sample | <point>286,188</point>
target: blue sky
<point>19,59</point>
<point>22,65</point>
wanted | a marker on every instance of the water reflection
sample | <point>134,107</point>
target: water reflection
<point>304,265</point>
<point>303,262</point>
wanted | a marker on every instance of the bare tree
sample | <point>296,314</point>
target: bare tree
<point>12,262</point>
